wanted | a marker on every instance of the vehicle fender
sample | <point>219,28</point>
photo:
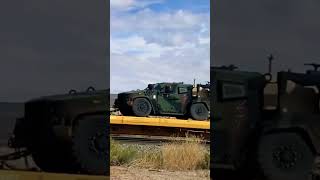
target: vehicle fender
<point>306,133</point>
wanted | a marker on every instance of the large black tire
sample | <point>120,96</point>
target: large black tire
<point>90,145</point>
<point>49,153</point>
<point>141,107</point>
<point>284,156</point>
<point>199,111</point>
<point>54,159</point>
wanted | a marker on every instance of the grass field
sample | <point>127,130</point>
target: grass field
<point>180,156</point>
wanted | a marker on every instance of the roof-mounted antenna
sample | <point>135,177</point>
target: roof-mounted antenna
<point>268,76</point>
<point>270,59</point>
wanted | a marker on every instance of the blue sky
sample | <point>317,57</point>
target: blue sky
<point>158,40</point>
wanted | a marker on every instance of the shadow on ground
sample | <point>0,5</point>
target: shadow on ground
<point>233,175</point>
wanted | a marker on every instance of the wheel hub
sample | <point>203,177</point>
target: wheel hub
<point>285,157</point>
<point>199,110</point>
<point>142,107</point>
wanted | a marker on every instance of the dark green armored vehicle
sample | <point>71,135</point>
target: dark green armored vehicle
<point>66,133</point>
<point>174,99</point>
<point>265,126</point>
<point>315,173</point>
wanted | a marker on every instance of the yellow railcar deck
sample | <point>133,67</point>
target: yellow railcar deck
<point>159,121</point>
<point>117,120</point>
<point>30,175</point>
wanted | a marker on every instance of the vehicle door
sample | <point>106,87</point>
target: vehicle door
<point>169,99</point>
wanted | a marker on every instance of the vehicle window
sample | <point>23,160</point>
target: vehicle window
<point>230,91</point>
<point>157,86</point>
<point>168,89</point>
<point>182,90</point>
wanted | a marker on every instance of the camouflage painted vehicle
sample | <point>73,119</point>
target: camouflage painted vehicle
<point>66,133</point>
<point>174,99</point>
<point>315,173</point>
<point>265,126</point>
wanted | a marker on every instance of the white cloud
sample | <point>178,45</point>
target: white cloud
<point>149,47</point>
<point>159,65</point>
<point>136,46</point>
<point>170,29</point>
<point>121,3</point>
<point>147,19</point>
<point>125,5</point>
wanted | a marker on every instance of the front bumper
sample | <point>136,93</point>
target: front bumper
<point>315,173</point>
<point>116,103</point>
<point>127,102</point>
<point>19,138</point>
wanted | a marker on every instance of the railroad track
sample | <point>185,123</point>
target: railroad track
<point>151,140</point>
<point>157,128</point>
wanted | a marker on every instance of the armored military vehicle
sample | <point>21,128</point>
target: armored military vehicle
<point>315,173</point>
<point>66,133</point>
<point>174,99</point>
<point>271,125</point>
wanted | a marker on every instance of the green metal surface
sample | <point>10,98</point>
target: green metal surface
<point>165,99</point>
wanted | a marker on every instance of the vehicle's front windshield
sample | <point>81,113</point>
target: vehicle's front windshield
<point>153,86</point>
<point>156,86</point>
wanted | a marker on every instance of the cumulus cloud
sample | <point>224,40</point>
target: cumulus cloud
<point>126,5</point>
<point>149,46</point>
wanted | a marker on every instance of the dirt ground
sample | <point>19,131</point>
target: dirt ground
<point>125,173</point>
<point>122,173</point>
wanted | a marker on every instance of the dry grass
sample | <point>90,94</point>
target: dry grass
<point>189,155</point>
<point>120,155</point>
<point>177,155</point>
<point>149,159</point>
